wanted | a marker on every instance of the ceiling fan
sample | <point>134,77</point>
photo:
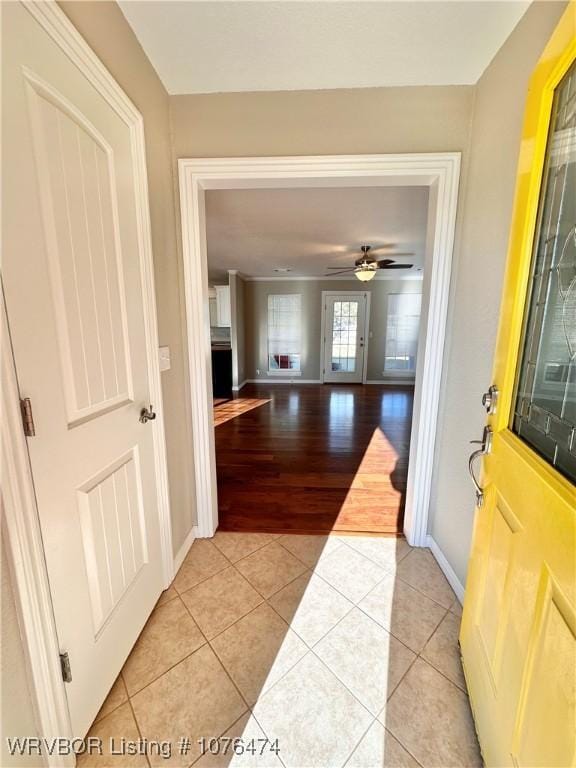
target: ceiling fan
<point>366,266</point>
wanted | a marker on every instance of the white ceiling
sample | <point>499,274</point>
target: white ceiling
<point>258,230</point>
<point>217,45</point>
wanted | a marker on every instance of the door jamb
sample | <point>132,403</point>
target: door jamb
<point>21,526</point>
<point>25,555</point>
<point>440,172</point>
<point>325,295</point>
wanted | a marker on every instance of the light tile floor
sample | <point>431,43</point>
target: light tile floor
<point>343,649</point>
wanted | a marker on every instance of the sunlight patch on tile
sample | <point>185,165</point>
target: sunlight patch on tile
<point>310,606</point>
<point>315,718</point>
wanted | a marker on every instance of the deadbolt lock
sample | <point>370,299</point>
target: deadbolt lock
<point>490,399</point>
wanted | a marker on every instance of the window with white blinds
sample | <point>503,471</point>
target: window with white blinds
<point>402,331</point>
<point>284,333</point>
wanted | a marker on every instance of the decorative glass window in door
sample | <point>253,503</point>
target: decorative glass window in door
<point>545,406</point>
<point>344,336</point>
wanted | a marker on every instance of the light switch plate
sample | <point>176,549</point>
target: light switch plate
<point>164,358</point>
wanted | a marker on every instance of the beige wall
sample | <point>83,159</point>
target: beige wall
<point>237,329</point>
<point>256,314</point>
<point>106,31</point>
<point>241,327</point>
<point>483,122</point>
<point>477,280</point>
<point>16,709</point>
<point>368,120</point>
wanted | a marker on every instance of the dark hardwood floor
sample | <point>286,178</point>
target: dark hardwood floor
<point>313,458</point>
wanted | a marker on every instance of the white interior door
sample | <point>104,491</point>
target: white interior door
<point>73,283</point>
<point>344,337</point>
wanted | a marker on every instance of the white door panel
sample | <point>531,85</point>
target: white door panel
<point>73,283</point>
<point>344,337</point>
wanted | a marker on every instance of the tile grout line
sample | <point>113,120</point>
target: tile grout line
<point>389,696</point>
<point>401,560</point>
<point>179,593</point>
<point>418,763</point>
<point>260,725</point>
<point>139,730</point>
<point>264,597</point>
<point>220,662</point>
<point>404,581</point>
<point>310,647</point>
<point>241,575</point>
<point>212,539</point>
<point>431,664</point>
<point>355,747</point>
<point>311,567</point>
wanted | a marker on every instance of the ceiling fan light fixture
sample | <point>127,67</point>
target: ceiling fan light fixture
<point>365,273</point>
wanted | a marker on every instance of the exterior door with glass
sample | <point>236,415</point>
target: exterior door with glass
<point>518,635</point>
<point>345,328</point>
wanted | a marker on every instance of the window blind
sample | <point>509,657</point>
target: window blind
<point>284,332</point>
<point>402,331</point>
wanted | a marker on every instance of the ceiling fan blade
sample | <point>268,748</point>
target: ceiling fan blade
<point>340,268</point>
<point>382,247</point>
<point>395,266</point>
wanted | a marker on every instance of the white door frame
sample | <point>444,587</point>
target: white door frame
<point>21,525</point>
<point>440,172</point>
<point>325,295</point>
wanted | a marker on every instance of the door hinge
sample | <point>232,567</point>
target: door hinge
<point>66,668</point>
<point>27,417</point>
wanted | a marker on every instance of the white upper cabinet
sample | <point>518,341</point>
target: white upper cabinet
<point>223,313</point>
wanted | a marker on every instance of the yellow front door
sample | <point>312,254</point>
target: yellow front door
<point>518,635</point>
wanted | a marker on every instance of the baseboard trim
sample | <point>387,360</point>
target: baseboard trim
<point>446,568</point>
<point>408,381</point>
<point>185,548</point>
<point>282,381</point>
<point>239,387</point>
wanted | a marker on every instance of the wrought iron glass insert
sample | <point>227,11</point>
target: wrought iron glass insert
<point>344,332</point>
<point>545,407</point>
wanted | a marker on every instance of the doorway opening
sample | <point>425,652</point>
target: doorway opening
<point>303,443</point>
<point>277,358</point>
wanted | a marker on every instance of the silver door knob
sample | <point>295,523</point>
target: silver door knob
<point>490,399</point>
<point>485,448</point>
<point>147,414</point>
